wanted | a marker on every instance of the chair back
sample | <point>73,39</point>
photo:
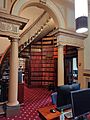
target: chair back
<point>54,98</point>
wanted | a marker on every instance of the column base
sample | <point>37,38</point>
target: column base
<point>12,110</point>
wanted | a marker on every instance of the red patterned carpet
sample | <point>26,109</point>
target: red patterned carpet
<point>34,98</point>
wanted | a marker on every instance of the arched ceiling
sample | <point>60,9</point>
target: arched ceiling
<point>31,13</point>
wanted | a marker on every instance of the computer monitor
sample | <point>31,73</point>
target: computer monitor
<point>80,103</point>
<point>64,95</point>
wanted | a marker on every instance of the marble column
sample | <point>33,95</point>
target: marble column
<point>13,103</point>
<point>60,65</point>
<point>81,67</point>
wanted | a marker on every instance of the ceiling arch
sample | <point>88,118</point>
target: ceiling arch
<point>48,6</point>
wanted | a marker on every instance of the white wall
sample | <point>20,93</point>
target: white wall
<point>67,10</point>
<point>70,19</point>
<point>87,48</point>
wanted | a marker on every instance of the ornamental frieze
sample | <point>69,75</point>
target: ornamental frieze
<point>9,27</point>
<point>68,40</point>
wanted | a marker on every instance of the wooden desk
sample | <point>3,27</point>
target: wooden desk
<point>45,114</point>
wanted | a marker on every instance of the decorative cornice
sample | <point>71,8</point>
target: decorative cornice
<point>5,26</point>
<point>61,31</point>
<point>67,37</point>
<point>69,40</point>
<point>10,25</point>
<point>7,34</point>
<point>13,19</point>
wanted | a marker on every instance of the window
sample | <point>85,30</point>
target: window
<point>74,64</point>
<point>75,69</point>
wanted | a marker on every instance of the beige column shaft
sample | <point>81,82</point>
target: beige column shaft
<point>60,65</point>
<point>13,81</point>
<point>81,66</point>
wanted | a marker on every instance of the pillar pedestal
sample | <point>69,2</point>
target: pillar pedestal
<point>12,110</point>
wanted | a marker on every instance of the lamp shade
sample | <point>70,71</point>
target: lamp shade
<point>81,15</point>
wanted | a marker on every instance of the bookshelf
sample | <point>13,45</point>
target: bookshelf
<point>43,55</point>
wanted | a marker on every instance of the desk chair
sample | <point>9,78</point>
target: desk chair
<point>54,98</point>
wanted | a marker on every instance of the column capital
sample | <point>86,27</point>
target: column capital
<point>59,44</point>
<point>14,39</point>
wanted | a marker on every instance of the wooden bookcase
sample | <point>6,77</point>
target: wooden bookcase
<point>43,55</point>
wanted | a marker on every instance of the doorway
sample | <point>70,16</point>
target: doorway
<point>70,64</point>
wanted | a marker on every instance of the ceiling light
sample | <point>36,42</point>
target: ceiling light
<point>81,15</point>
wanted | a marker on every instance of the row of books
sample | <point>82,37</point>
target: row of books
<point>42,78</point>
<point>42,65</point>
<point>42,74</point>
<point>42,69</point>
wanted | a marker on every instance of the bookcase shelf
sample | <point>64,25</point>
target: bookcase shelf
<point>42,63</point>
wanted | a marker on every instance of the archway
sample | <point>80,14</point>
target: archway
<point>49,6</point>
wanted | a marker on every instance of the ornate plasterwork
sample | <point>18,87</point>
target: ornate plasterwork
<point>67,40</point>
<point>67,37</point>
<point>9,27</point>
<point>10,24</point>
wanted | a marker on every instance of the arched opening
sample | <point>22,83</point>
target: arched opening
<point>49,7</point>
<point>38,8</point>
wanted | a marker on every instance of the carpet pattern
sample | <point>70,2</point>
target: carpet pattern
<point>34,98</point>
